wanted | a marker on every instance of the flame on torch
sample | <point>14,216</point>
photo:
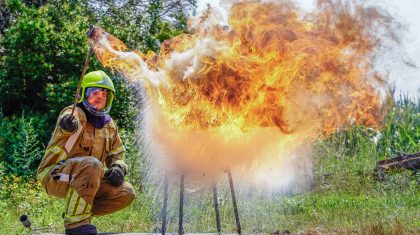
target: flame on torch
<point>248,94</point>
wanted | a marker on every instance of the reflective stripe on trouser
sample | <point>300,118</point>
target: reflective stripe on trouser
<point>77,209</point>
<point>80,177</point>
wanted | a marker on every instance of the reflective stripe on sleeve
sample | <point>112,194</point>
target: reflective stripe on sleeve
<point>59,151</point>
<point>42,175</point>
<point>117,150</point>
<point>63,156</point>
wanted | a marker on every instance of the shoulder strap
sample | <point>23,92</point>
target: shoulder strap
<point>72,140</point>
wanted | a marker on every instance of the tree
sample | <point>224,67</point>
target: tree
<point>45,48</point>
<point>21,146</point>
<point>42,49</point>
<point>143,24</point>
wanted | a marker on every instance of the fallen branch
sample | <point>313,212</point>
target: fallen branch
<point>401,161</point>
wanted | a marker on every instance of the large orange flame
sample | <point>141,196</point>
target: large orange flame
<point>251,92</point>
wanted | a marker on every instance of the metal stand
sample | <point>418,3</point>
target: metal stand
<point>235,206</point>
<point>216,207</point>
<point>181,204</point>
<point>165,203</point>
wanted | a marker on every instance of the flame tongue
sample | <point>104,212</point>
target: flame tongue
<point>271,79</point>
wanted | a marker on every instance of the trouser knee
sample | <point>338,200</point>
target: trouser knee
<point>130,194</point>
<point>88,162</point>
<point>87,175</point>
<point>88,166</point>
<point>111,199</point>
<point>81,173</point>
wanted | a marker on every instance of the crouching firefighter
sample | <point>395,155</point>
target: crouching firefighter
<point>84,160</point>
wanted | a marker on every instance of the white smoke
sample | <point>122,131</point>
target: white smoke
<point>187,63</point>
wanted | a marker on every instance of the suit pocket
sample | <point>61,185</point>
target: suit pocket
<point>55,186</point>
<point>87,142</point>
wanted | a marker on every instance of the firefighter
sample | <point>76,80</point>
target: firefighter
<point>84,160</point>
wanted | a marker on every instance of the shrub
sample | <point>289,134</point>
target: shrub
<point>401,132</point>
<point>21,144</point>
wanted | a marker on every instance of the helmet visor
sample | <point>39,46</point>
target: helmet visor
<point>99,99</point>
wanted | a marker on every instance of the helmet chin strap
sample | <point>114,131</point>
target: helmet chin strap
<point>94,111</point>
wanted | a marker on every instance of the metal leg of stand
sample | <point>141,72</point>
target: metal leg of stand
<point>216,207</point>
<point>165,204</point>
<point>235,206</point>
<point>181,205</point>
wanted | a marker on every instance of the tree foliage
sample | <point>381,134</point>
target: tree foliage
<point>45,48</point>
<point>42,53</point>
<point>42,50</point>
<point>21,143</point>
<point>145,23</point>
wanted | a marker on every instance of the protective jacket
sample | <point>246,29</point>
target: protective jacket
<point>73,168</point>
<point>103,144</point>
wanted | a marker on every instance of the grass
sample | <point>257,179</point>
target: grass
<point>345,197</point>
<point>22,197</point>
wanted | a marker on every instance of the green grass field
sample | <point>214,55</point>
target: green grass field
<point>345,197</point>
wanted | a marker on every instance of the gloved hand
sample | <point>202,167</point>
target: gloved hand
<point>69,123</point>
<point>115,175</point>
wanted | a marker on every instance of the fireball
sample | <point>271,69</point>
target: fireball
<point>248,94</point>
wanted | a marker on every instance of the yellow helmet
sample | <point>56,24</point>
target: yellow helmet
<point>97,79</point>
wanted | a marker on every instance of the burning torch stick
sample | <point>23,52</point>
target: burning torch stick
<point>87,62</point>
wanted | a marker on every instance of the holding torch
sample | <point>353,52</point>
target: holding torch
<point>87,62</point>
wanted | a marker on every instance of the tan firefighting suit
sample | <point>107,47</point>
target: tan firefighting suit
<point>73,166</point>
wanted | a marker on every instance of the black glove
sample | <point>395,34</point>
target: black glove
<point>115,175</point>
<point>69,123</point>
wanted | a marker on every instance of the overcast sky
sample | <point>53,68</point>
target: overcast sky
<point>406,79</point>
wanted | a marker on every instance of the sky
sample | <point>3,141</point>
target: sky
<point>406,79</point>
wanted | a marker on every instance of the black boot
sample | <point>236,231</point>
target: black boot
<point>87,229</point>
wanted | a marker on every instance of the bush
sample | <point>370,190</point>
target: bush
<point>44,46</point>
<point>21,147</point>
<point>134,158</point>
<point>402,130</point>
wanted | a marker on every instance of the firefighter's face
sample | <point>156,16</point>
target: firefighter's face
<point>97,98</point>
